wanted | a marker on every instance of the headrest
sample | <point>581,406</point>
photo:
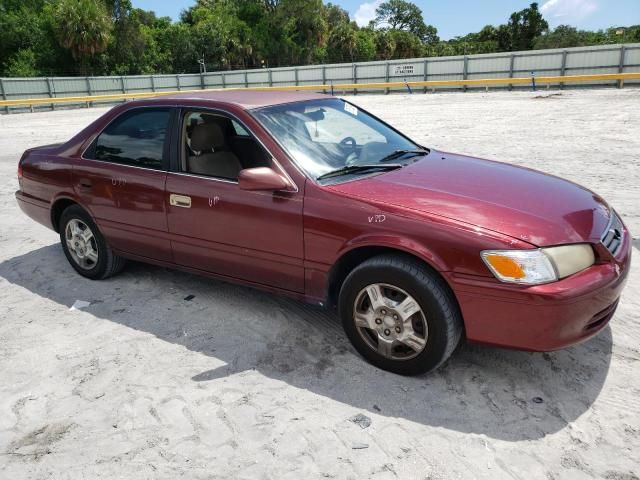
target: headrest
<point>207,136</point>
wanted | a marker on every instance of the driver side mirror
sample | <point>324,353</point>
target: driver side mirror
<point>263,178</point>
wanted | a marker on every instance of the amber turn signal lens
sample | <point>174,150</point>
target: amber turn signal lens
<point>528,267</point>
<point>506,266</point>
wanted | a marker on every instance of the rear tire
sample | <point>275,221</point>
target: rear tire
<point>399,314</point>
<point>85,247</point>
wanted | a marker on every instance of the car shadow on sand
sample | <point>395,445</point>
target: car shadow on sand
<point>503,394</point>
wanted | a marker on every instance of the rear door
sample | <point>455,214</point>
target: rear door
<point>121,180</point>
<point>248,235</point>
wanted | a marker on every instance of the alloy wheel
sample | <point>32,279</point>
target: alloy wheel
<point>81,244</point>
<point>390,321</point>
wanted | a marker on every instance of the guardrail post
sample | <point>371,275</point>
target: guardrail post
<point>202,87</point>
<point>533,81</point>
<point>563,67</point>
<point>354,75</point>
<point>124,90</point>
<point>89,90</point>
<point>512,60</point>
<point>408,87</point>
<point>224,82</point>
<point>465,71</point>
<point>270,78</point>
<point>178,81</point>
<point>295,72</point>
<point>324,78</point>
<point>425,74</point>
<point>4,94</point>
<point>153,83</point>
<point>621,65</point>
<point>50,89</point>
<point>246,80</point>
<point>386,90</point>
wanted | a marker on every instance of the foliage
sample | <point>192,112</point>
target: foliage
<point>22,64</point>
<point>406,16</point>
<point>564,36</point>
<point>523,29</point>
<point>82,26</point>
<point>101,37</point>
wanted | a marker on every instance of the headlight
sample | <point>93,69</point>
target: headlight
<point>534,267</point>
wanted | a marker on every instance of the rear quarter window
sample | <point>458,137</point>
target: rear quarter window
<point>136,138</point>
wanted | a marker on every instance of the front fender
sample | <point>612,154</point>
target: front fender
<point>396,242</point>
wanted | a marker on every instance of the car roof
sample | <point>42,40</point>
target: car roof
<point>247,99</point>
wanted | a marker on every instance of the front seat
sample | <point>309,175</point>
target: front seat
<point>210,157</point>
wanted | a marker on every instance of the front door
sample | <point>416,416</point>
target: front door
<point>121,181</point>
<point>215,226</point>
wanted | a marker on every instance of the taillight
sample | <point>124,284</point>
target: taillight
<point>20,171</point>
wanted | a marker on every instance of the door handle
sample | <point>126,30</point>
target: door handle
<point>180,200</point>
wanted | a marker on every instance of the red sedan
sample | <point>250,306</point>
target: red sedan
<point>311,196</point>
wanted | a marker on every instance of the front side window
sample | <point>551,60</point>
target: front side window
<point>136,138</point>
<point>215,145</point>
<point>331,135</point>
<point>239,130</point>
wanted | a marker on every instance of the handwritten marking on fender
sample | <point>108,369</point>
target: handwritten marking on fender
<point>377,218</point>
<point>214,201</point>
<point>120,182</point>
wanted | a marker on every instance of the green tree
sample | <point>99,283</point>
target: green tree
<point>365,48</point>
<point>342,44</point>
<point>336,16</point>
<point>24,25</point>
<point>563,36</point>
<point>407,45</point>
<point>504,38</point>
<point>177,41</point>
<point>385,45</point>
<point>22,64</point>
<point>211,28</point>
<point>304,30</point>
<point>407,16</point>
<point>525,27</point>
<point>83,27</point>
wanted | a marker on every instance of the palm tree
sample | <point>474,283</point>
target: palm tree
<point>342,43</point>
<point>83,27</point>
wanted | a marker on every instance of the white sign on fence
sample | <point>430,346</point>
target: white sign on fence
<point>403,69</point>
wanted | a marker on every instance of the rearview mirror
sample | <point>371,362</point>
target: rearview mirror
<point>263,178</point>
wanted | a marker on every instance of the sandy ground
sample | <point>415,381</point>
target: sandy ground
<point>237,383</point>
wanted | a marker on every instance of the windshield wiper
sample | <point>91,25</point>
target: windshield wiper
<point>400,153</point>
<point>358,168</point>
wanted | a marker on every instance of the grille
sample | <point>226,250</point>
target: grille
<point>613,235</point>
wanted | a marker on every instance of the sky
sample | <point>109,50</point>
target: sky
<point>459,17</point>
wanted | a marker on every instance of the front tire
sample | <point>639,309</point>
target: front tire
<point>399,314</point>
<point>85,247</point>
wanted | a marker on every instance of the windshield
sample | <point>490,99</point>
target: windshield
<point>328,135</point>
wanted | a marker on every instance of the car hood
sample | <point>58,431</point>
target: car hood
<point>525,204</point>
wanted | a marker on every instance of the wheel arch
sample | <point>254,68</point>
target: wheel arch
<point>59,205</point>
<point>357,254</point>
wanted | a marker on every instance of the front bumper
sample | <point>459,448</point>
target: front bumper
<point>543,317</point>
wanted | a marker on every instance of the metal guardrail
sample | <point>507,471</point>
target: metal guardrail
<point>409,85</point>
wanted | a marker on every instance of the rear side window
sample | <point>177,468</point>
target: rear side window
<point>136,138</point>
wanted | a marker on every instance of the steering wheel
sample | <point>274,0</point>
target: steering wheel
<point>349,145</point>
<point>348,142</point>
